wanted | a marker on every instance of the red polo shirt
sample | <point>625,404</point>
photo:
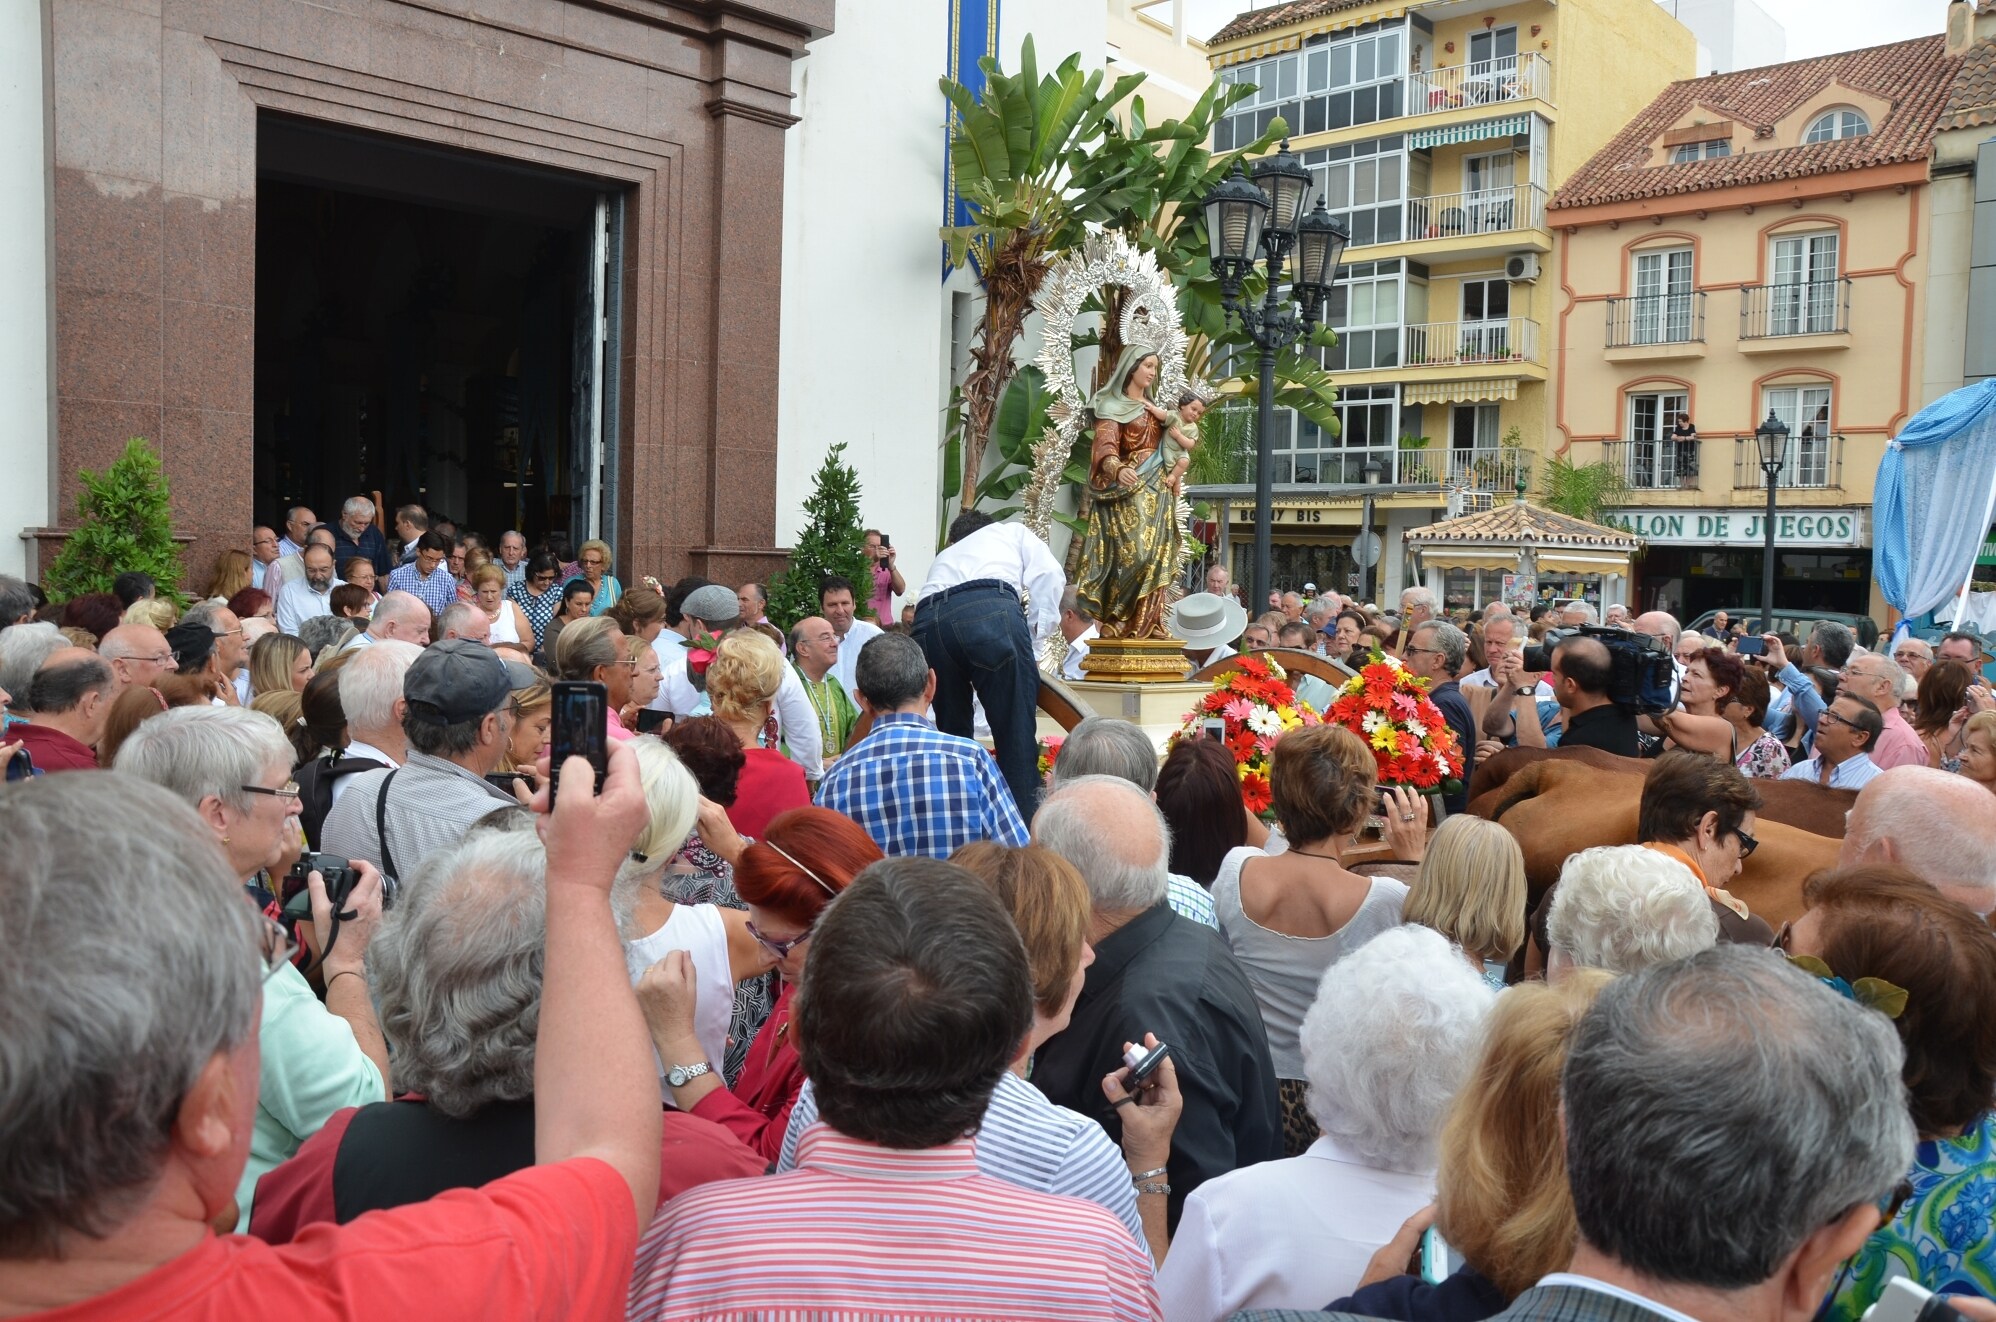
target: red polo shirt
<point>52,749</point>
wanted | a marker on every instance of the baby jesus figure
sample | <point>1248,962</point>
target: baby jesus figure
<point>1181,436</point>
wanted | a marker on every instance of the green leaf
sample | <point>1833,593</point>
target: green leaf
<point>1021,415</point>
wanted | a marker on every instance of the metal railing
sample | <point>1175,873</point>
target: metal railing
<point>1810,307</point>
<point>1485,211</point>
<point>1486,468</point>
<point>1656,319</point>
<point>1483,83</point>
<point>1654,465</point>
<point>1463,343</point>
<point>1809,461</point>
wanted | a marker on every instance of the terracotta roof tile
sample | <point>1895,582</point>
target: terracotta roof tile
<point>1515,520</point>
<point>1914,76</point>
<point>1972,99</point>
<point>1277,16</point>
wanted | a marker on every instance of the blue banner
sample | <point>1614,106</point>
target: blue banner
<point>973,35</point>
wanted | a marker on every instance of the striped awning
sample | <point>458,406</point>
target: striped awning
<point>1294,39</point>
<point>1508,126</point>
<point>1468,557</point>
<point>1459,392</point>
<point>1578,562</point>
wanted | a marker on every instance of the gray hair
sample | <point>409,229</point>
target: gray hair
<point>16,599</point>
<point>1836,642</point>
<point>1493,609</point>
<point>59,688</point>
<point>1940,827</point>
<point>1627,907</point>
<point>456,967</point>
<point>23,648</point>
<point>371,683</point>
<point>1584,609</point>
<point>1731,1052</point>
<point>397,607</point>
<point>357,507</point>
<point>587,644</point>
<point>318,632</point>
<point>204,612</point>
<point>1070,600</point>
<point>1319,610</point>
<point>1106,746</point>
<point>454,616</point>
<point>195,752</point>
<point>131,960</point>
<point>1417,596</point>
<point>1388,1043</point>
<point>1450,641</point>
<point>892,671</point>
<point>1097,824</point>
<point>673,796</point>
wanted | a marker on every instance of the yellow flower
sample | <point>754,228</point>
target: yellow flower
<point>1385,739</point>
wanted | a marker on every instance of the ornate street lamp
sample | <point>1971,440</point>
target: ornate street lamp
<point>1374,473</point>
<point>1261,221</point>
<point>1772,438</point>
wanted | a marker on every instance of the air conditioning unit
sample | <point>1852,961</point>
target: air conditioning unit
<point>1521,268</point>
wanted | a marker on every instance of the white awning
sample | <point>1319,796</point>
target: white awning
<point>1459,392</point>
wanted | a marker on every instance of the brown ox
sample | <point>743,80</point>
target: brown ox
<point>1795,803</point>
<point>1558,805</point>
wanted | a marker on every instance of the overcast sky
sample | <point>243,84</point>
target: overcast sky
<point>1815,27</point>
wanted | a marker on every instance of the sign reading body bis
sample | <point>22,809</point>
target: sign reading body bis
<point>1793,529</point>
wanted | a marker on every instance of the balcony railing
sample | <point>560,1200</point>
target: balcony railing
<point>1487,211</point>
<point>1809,461</point>
<point>1656,319</point>
<point>1485,468</point>
<point>1812,307</point>
<point>1654,465</point>
<point>1483,83</point>
<point>1467,343</point>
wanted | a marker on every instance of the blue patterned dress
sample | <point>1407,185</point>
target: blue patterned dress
<point>1943,1237</point>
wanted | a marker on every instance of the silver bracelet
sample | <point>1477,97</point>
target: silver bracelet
<point>1140,1176</point>
<point>1159,1187</point>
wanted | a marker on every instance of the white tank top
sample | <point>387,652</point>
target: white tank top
<point>698,930</point>
<point>503,630</point>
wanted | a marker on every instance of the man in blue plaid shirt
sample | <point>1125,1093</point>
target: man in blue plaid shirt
<point>425,577</point>
<point>913,788</point>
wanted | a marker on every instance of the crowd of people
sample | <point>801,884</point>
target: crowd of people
<point>321,995</point>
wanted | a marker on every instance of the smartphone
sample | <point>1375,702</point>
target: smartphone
<point>1751,646</point>
<point>1143,1062</point>
<point>580,728</point>
<point>20,766</point>
<point>651,722</point>
<point>1906,1300</point>
<point>1438,1257</point>
<point>885,541</point>
<point>1214,727</point>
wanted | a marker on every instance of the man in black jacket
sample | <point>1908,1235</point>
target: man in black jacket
<point>1581,673</point>
<point>1156,972</point>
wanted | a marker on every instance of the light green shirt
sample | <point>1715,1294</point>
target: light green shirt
<point>836,712</point>
<point>312,1067</point>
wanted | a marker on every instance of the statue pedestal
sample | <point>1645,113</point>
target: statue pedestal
<point>1135,661</point>
<point>1158,707</point>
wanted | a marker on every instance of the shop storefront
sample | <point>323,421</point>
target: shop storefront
<point>1709,559</point>
<point>1520,553</point>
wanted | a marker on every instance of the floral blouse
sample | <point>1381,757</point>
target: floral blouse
<point>1942,1237</point>
<point>1763,759</point>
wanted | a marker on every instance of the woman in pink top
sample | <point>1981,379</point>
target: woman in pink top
<point>887,580</point>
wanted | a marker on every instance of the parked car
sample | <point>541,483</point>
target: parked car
<point>1797,623</point>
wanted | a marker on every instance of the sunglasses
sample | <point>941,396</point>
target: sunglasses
<point>776,948</point>
<point>276,946</point>
<point>1747,845</point>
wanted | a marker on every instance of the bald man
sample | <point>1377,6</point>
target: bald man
<point>1932,822</point>
<point>137,654</point>
<point>398,615</point>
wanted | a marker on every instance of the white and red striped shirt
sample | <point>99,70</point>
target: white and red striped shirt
<point>859,1233</point>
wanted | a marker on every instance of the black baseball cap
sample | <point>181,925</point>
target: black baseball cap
<point>461,680</point>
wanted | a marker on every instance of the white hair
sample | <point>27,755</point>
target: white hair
<point>359,507</point>
<point>1939,826</point>
<point>1492,610</point>
<point>1584,609</point>
<point>1626,907</point>
<point>674,798</point>
<point>1096,823</point>
<point>1418,596</point>
<point>371,683</point>
<point>23,648</point>
<point>195,752</point>
<point>1388,1042</point>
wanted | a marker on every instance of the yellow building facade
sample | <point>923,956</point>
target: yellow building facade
<point>1752,244</point>
<point>1437,134</point>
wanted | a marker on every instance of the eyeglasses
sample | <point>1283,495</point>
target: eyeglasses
<point>592,562</point>
<point>1889,1205</point>
<point>776,948</point>
<point>1416,651</point>
<point>1830,715</point>
<point>276,946</point>
<point>288,790</point>
<point>1747,845</point>
<point>541,580</point>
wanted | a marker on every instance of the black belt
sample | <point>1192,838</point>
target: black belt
<point>975,585</point>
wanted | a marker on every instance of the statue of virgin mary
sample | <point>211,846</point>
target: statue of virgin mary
<point>1131,548</point>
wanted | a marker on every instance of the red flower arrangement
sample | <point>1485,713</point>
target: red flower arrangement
<point>1391,711</point>
<point>1049,754</point>
<point>1257,707</point>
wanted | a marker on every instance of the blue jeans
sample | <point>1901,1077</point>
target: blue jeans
<point>975,638</point>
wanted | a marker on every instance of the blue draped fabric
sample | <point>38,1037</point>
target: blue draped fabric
<point>1931,503</point>
<point>973,34</point>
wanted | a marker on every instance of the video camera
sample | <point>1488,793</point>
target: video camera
<point>1641,671</point>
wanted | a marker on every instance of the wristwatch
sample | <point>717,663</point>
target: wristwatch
<point>1524,693</point>
<point>681,1075</point>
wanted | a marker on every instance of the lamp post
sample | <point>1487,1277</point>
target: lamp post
<point>1261,220</point>
<point>1374,473</point>
<point>1772,438</point>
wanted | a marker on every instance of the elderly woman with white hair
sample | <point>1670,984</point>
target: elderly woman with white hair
<point>234,767</point>
<point>1624,908</point>
<point>1390,1039</point>
<point>458,967</point>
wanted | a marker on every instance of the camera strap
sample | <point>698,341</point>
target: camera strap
<point>381,824</point>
